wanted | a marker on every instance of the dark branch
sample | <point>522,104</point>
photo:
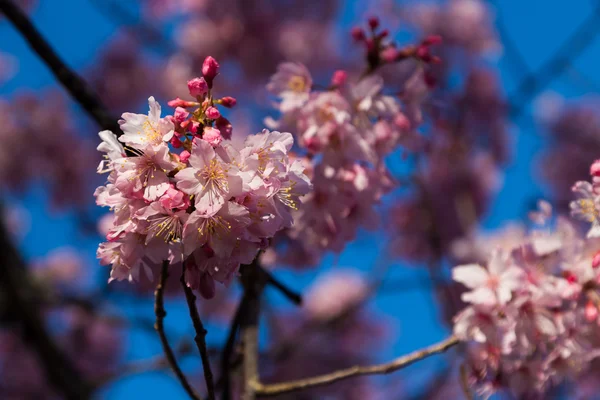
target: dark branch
<point>294,297</point>
<point>200,337</point>
<point>159,310</point>
<point>23,306</point>
<point>569,51</point>
<point>74,84</point>
<point>225,378</point>
<point>253,283</point>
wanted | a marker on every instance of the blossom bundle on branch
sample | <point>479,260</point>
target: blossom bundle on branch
<point>532,315</point>
<point>347,131</point>
<point>185,194</point>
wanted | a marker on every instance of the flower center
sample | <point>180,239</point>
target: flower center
<point>297,84</point>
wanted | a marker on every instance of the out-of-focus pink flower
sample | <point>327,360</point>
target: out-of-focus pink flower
<point>492,285</point>
<point>335,293</point>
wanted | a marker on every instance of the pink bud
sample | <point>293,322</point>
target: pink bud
<point>180,114</point>
<point>194,127</point>
<point>595,168</point>
<point>212,113</point>
<point>373,22</point>
<point>596,260</point>
<point>383,34</point>
<point>402,122</point>
<point>175,142</point>
<point>181,103</point>
<point>224,126</point>
<point>228,102</point>
<point>184,156</point>
<point>389,54</point>
<point>210,69</point>
<point>339,77</point>
<point>197,87</point>
<point>212,136</point>
<point>423,53</point>
<point>591,311</point>
<point>358,34</point>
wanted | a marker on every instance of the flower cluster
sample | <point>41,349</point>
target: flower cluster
<point>181,193</point>
<point>533,307</point>
<point>587,205</point>
<point>347,131</point>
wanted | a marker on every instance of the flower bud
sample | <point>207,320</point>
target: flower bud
<point>228,102</point>
<point>595,168</point>
<point>373,22</point>
<point>181,103</point>
<point>358,34</point>
<point>180,114</point>
<point>212,113</point>
<point>184,156</point>
<point>212,136</point>
<point>197,87</point>
<point>210,69</point>
<point>339,77</point>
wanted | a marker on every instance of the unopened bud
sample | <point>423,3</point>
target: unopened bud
<point>210,69</point>
<point>212,113</point>
<point>197,87</point>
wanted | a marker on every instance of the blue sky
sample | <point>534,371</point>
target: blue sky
<point>77,30</point>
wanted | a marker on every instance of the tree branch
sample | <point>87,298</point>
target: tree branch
<point>74,84</point>
<point>159,310</point>
<point>22,303</point>
<point>200,337</point>
<point>225,378</point>
<point>294,297</point>
<point>253,283</point>
<point>394,365</point>
<point>585,34</point>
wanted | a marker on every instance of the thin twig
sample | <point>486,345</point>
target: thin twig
<point>584,36</point>
<point>386,368</point>
<point>294,297</point>
<point>159,310</point>
<point>65,75</point>
<point>200,337</point>
<point>225,378</point>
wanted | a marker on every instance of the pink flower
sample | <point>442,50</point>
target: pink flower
<point>586,207</point>
<point>174,199</point>
<point>492,285</point>
<point>145,174</point>
<point>143,130</point>
<point>292,83</point>
<point>113,149</point>
<point>126,257</point>
<point>219,230</point>
<point>335,293</point>
<point>208,178</point>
